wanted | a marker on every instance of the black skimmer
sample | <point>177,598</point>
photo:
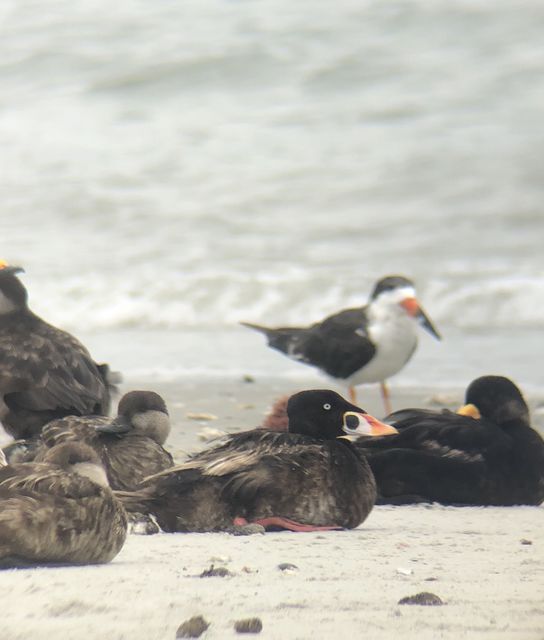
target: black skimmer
<point>249,477</point>
<point>59,511</point>
<point>485,454</point>
<point>45,373</point>
<point>129,445</point>
<point>362,345</point>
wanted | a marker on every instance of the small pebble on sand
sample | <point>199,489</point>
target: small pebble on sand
<point>249,625</point>
<point>221,572</point>
<point>192,628</point>
<point>200,416</point>
<point>424,598</point>
<point>288,567</point>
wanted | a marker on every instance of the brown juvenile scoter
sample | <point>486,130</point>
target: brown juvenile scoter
<point>129,445</point>
<point>45,373</point>
<point>59,511</point>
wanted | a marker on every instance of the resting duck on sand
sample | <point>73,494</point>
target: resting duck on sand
<point>60,510</point>
<point>45,373</point>
<point>129,445</point>
<point>486,454</point>
<point>309,479</point>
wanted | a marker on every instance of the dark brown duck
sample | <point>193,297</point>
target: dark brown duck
<point>129,445</point>
<point>45,373</point>
<point>60,510</point>
<point>309,478</point>
<point>486,454</point>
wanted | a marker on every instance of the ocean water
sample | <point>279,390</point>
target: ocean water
<point>169,169</point>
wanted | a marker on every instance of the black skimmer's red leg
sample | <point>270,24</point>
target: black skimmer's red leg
<point>386,398</point>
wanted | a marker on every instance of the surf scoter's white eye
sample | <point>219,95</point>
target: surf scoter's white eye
<point>326,406</point>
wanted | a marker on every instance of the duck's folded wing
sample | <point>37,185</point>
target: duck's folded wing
<point>274,474</point>
<point>32,478</point>
<point>55,372</point>
<point>256,441</point>
<point>443,434</point>
<point>72,428</point>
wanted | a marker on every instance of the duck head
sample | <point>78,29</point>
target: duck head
<point>497,399</point>
<point>77,457</point>
<point>141,412</point>
<point>325,415</point>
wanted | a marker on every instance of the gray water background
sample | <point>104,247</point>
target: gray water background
<point>171,168</point>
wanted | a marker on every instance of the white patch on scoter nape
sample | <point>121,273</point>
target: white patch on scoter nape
<point>92,471</point>
<point>6,305</point>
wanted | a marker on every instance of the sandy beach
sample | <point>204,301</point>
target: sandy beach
<point>485,564</point>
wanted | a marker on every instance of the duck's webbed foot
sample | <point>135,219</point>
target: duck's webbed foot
<point>278,523</point>
<point>142,524</point>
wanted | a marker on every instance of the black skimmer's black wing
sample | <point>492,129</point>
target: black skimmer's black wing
<point>339,345</point>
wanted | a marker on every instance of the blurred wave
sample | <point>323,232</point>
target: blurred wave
<point>197,164</point>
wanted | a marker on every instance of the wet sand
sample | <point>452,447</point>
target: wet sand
<point>486,564</point>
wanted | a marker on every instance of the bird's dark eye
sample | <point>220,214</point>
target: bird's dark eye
<point>327,406</point>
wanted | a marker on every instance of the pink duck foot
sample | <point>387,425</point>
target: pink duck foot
<point>277,522</point>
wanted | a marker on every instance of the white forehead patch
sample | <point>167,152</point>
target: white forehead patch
<point>394,296</point>
<point>402,293</point>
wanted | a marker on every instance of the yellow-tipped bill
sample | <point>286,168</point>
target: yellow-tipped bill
<point>8,268</point>
<point>470,410</point>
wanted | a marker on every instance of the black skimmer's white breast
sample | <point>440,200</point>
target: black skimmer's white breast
<point>362,345</point>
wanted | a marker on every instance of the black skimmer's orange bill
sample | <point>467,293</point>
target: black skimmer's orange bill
<point>45,373</point>
<point>129,445</point>
<point>250,476</point>
<point>59,511</point>
<point>460,458</point>
<point>361,345</point>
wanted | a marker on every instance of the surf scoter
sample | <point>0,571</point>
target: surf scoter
<point>362,345</point>
<point>310,478</point>
<point>60,510</point>
<point>486,454</point>
<point>45,373</point>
